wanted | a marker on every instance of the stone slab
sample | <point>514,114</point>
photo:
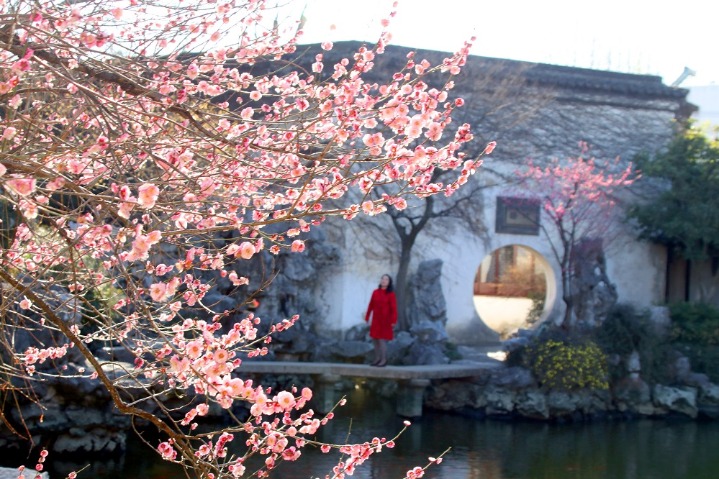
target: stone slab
<point>441,371</point>
<point>11,473</point>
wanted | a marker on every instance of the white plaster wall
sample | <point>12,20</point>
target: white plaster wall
<point>462,258</point>
<point>509,314</point>
<point>637,269</point>
<point>349,288</point>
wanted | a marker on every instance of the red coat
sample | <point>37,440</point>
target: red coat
<point>383,308</point>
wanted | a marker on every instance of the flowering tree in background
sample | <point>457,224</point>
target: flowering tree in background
<point>134,173</point>
<point>577,196</point>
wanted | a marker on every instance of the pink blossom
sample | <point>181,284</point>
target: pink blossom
<point>166,450</point>
<point>147,195</point>
<point>21,186</point>
<point>434,131</point>
<point>9,133</point>
<point>490,147</point>
<point>192,71</point>
<point>194,349</point>
<point>247,250</point>
<point>158,291</point>
<point>298,246</point>
<point>247,113</point>
<point>237,469</point>
<point>178,364</point>
<point>285,400</point>
<point>306,394</point>
<point>373,140</point>
<point>400,204</point>
<point>202,409</point>
<point>368,207</point>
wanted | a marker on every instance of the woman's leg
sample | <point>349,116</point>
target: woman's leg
<point>382,352</point>
<point>377,354</point>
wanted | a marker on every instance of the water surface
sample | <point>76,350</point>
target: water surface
<point>483,449</point>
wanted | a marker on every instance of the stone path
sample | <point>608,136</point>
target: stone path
<point>11,473</point>
<point>466,368</point>
<point>412,380</point>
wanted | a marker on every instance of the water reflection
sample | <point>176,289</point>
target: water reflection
<point>483,449</point>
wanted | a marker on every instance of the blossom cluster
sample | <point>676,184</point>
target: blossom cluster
<point>139,176</point>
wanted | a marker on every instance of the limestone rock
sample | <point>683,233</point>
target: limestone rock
<point>428,332</point>
<point>425,354</point>
<point>514,377</point>
<point>709,394</point>
<point>500,401</point>
<point>562,403</point>
<point>358,332</point>
<point>634,395</point>
<point>454,395</point>
<point>708,401</point>
<point>685,376</point>
<point>355,351</point>
<point>681,400</point>
<point>96,440</point>
<point>532,404</point>
<point>426,300</point>
<point>398,348</point>
<point>594,294</point>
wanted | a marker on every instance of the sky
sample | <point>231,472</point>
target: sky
<point>635,36</point>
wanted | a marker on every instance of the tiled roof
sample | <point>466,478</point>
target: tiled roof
<point>541,73</point>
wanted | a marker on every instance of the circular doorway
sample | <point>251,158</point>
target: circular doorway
<point>514,289</point>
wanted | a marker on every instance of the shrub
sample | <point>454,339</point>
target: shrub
<point>703,359</point>
<point>695,323</point>
<point>625,330</point>
<point>567,365</point>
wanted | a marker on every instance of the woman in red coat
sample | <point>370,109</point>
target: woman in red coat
<point>382,310</point>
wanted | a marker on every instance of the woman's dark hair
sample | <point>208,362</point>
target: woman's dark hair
<point>390,288</point>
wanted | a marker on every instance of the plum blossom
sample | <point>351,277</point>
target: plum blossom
<point>142,244</point>
<point>166,450</point>
<point>147,195</point>
<point>161,182</point>
<point>298,246</point>
<point>247,250</point>
<point>285,400</point>
<point>22,186</point>
<point>9,133</point>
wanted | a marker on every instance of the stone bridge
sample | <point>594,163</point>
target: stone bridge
<point>412,380</point>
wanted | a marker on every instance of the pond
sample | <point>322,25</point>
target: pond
<point>483,449</point>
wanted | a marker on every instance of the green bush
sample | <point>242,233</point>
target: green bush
<point>567,365</point>
<point>703,358</point>
<point>625,330</point>
<point>695,323</point>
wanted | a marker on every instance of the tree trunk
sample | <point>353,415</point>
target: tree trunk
<point>567,293</point>
<point>401,283</point>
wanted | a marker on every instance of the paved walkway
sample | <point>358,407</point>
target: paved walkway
<point>412,380</point>
<point>11,473</point>
<point>454,370</point>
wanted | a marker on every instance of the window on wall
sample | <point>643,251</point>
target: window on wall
<point>517,215</point>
